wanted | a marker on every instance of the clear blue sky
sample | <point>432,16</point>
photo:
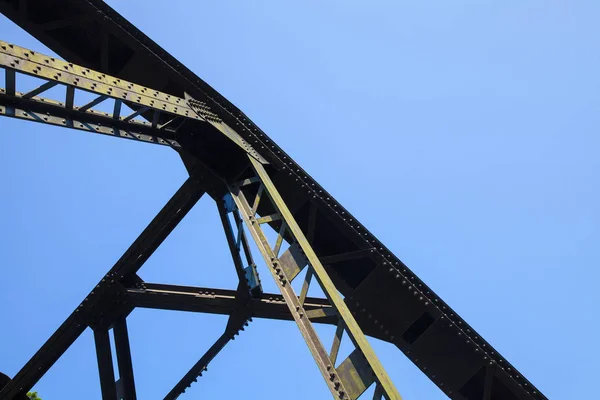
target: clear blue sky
<point>463,134</point>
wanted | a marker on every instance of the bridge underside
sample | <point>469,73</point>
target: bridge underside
<point>256,185</point>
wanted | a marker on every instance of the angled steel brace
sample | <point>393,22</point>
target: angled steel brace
<point>237,321</point>
<point>161,226</point>
<point>357,372</point>
<point>44,358</point>
<point>123,271</point>
<point>241,312</point>
<point>237,243</point>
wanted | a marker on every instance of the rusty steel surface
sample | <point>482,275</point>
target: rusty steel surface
<point>224,151</point>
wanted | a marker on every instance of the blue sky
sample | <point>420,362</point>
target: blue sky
<point>463,134</point>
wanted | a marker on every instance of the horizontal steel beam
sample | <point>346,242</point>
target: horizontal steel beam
<point>222,301</point>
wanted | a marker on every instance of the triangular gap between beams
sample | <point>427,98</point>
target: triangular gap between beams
<point>127,111</point>
<point>83,98</point>
<point>196,252</point>
<point>165,344</point>
<point>106,106</point>
<point>325,331</point>
<point>26,83</point>
<point>76,369</point>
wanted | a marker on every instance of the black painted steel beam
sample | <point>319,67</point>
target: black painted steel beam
<point>198,368</point>
<point>44,358</point>
<point>105,365</point>
<point>236,322</point>
<point>160,227</point>
<point>221,301</point>
<point>231,241</point>
<point>123,350</point>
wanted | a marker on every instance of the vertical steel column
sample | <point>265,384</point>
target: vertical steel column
<point>363,348</point>
<point>10,80</point>
<point>124,359</point>
<point>378,393</point>
<point>105,365</point>
<point>235,251</point>
<point>489,380</point>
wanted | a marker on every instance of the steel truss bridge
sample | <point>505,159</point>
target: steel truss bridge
<point>257,188</point>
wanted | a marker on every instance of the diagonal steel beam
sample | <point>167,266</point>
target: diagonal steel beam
<point>354,331</point>
<point>64,22</point>
<point>125,268</point>
<point>237,320</point>
<point>40,89</point>
<point>198,368</point>
<point>44,358</point>
<point>158,230</point>
<point>354,375</point>
<point>337,388</point>
<point>231,242</point>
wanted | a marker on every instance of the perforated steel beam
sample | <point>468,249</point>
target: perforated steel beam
<point>357,372</point>
<point>15,59</point>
